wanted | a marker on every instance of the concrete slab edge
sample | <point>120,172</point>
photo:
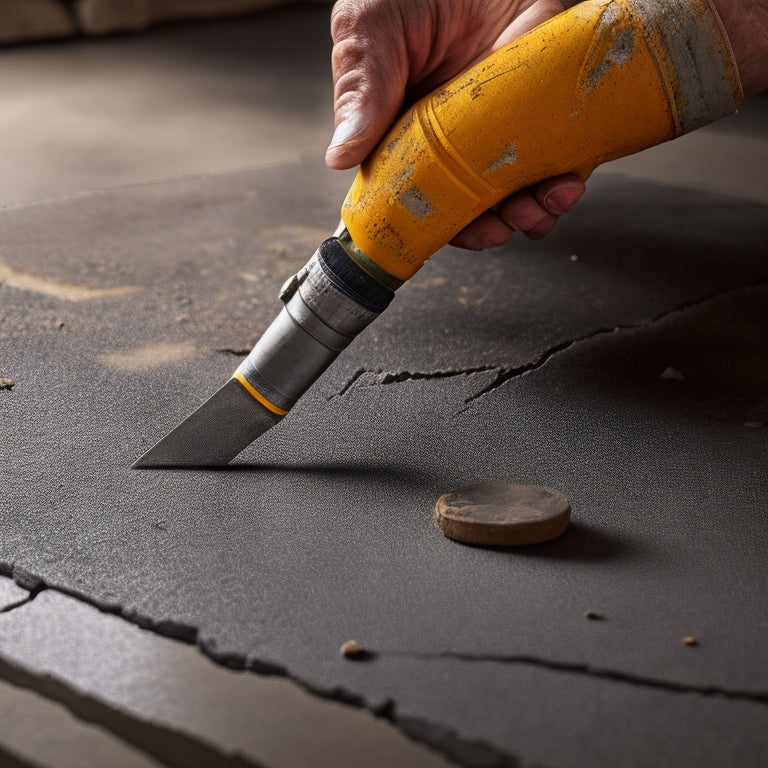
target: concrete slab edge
<point>36,732</point>
<point>173,748</point>
<point>180,750</point>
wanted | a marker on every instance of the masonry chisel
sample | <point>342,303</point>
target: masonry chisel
<point>602,80</point>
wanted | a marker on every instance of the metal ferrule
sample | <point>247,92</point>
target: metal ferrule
<point>327,304</point>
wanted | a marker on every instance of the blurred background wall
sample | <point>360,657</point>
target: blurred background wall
<point>28,20</point>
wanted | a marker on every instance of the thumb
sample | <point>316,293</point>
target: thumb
<point>369,75</point>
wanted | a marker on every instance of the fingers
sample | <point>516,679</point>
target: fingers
<point>560,193</point>
<point>370,71</point>
<point>534,212</point>
<point>486,231</point>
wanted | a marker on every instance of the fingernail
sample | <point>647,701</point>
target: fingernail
<point>560,200</point>
<point>345,130</point>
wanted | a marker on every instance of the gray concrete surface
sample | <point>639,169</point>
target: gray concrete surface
<point>181,100</point>
<point>121,310</point>
<point>314,538</point>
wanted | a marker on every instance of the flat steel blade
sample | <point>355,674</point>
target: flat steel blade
<point>229,421</point>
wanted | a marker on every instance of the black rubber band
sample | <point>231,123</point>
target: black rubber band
<point>350,279</point>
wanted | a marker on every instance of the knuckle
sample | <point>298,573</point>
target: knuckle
<point>354,18</point>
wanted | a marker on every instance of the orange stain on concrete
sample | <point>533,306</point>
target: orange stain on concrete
<point>36,284</point>
<point>149,356</point>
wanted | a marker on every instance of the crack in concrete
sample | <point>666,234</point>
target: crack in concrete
<point>19,603</point>
<point>469,753</point>
<point>506,374</point>
<point>379,377</point>
<point>24,579</point>
<point>367,377</point>
<point>180,750</point>
<point>759,697</point>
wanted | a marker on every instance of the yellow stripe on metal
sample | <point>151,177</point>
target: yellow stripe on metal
<point>258,396</point>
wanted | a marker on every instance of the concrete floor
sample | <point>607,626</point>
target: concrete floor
<point>81,686</point>
<point>177,101</point>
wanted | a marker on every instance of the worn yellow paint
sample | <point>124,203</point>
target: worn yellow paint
<point>24,281</point>
<point>605,79</point>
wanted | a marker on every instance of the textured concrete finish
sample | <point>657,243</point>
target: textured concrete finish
<point>532,367</point>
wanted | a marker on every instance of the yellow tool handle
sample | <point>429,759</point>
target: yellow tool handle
<point>602,80</point>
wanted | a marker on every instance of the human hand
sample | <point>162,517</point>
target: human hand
<point>388,53</point>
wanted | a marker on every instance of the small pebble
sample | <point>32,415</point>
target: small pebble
<point>574,257</point>
<point>671,374</point>
<point>59,324</point>
<point>592,615</point>
<point>6,383</point>
<point>689,641</point>
<point>353,650</point>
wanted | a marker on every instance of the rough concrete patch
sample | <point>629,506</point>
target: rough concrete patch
<point>33,19</point>
<point>26,282</point>
<point>149,356</point>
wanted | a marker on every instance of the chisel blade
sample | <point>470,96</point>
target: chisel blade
<point>225,424</point>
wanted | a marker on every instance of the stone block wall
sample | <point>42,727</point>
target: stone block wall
<point>26,20</point>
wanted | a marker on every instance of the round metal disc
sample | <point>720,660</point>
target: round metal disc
<point>502,514</point>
